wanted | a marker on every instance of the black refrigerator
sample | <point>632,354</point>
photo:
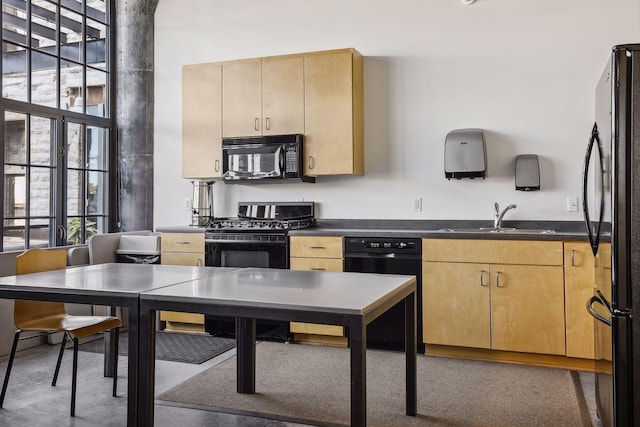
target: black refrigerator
<point>611,205</point>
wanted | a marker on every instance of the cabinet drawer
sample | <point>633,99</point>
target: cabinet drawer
<point>179,258</point>
<point>175,316</point>
<point>316,246</point>
<point>525,252</point>
<point>182,242</point>
<point>316,329</point>
<point>319,264</point>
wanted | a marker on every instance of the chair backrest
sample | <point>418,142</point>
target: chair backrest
<point>35,261</point>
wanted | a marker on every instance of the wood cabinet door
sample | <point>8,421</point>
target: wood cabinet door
<point>241,98</point>
<point>579,281</point>
<point>202,121</point>
<point>282,96</point>
<point>320,264</point>
<point>329,114</point>
<point>456,304</point>
<point>527,309</point>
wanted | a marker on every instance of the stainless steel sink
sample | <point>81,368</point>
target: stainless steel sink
<point>505,230</point>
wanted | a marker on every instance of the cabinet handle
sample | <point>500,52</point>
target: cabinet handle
<point>498,280</point>
<point>217,166</point>
<point>317,247</point>
<point>186,242</point>
<point>268,123</point>
<point>310,162</point>
<point>482,278</point>
<point>256,124</point>
<point>573,257</point>
<point>317,269</point>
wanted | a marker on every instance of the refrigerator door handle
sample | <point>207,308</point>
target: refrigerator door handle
<point>594,313</point>
<point>594,240</point>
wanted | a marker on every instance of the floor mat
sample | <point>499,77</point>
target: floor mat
<point>310,384</point>
<point>174,346</point>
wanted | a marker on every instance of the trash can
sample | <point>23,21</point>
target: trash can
<point>139,250</point>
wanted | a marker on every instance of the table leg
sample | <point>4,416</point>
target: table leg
<point>132,372</point>
<point>410,349</point>
<point>144,369</point>
<point>246,354</point>
<point>358,346</point>
<point>109,347</point>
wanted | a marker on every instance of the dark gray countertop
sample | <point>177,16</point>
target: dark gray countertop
<point>463,229</point>
<point>181,229</point>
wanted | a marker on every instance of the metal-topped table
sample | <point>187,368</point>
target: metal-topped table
<point>349,299</point>
<point>105,284</point>
<point>352,300</point>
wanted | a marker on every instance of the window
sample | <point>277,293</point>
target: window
<point>57,127</point>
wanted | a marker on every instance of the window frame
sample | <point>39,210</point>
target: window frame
<point>62,116</point>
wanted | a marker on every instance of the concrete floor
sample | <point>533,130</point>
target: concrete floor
<point>31,401</point>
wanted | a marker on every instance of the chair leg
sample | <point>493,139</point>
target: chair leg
<point>55,374</point>
<point>74,375</point>
<point>9,365</point>
<point>115,363</point>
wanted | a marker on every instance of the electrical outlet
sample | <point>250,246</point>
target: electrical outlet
<point>572,204</point>
<point>187,204</point>
<point>416,203</point>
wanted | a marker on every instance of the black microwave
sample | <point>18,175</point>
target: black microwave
<point>272,157</point>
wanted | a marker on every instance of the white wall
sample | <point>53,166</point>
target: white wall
<point>523,70</point>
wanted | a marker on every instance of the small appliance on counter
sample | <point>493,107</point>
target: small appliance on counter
<point>202,203</point>
<point>465,154</point>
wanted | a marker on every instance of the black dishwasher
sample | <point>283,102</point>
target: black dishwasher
<point>388,256</point>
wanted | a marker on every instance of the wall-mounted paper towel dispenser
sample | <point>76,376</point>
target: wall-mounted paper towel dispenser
<point>527,172</point>
<point>465,154</point>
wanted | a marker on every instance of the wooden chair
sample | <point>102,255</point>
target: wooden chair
<point>52,317</point>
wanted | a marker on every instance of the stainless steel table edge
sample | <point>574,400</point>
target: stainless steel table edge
<point>245,339</point>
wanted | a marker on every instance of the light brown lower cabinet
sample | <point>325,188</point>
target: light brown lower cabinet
<point>319,253</point>
<point>516,306</point>
<point>579,281</point>
<point>182,249</point>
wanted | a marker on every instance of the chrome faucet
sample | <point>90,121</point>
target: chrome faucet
<point>497,220</point>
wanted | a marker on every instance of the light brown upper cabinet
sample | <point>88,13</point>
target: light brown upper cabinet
<point>317,94</point>
<point>202,121</point>
<point>263,96</point>
<point>334,111</point>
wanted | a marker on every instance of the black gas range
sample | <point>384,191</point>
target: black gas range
<point>258,237</point>
<point>266,217</point>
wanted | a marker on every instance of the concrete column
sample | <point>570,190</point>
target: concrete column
<point>134,112</point>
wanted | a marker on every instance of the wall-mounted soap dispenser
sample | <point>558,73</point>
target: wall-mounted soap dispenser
<point>527,172</point>
<point>465,154</point>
